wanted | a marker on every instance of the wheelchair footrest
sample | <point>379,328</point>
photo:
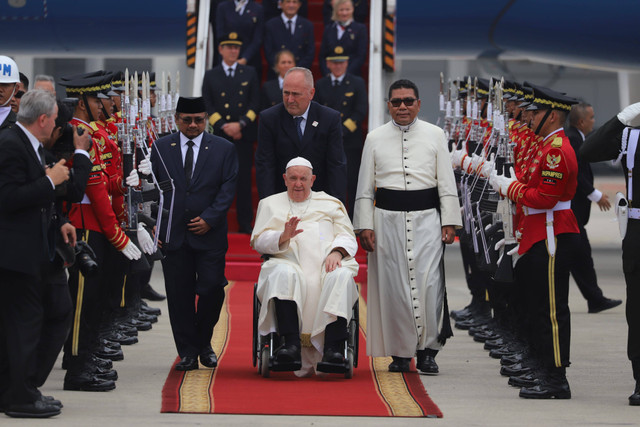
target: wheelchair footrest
<point>282,367</point>
<point>333,368</point>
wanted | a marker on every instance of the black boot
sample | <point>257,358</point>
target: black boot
<point>553,385</point>
<point>634,399</point>
<point>427,362</point>
<point>400,364</point>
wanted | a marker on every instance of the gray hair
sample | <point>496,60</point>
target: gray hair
<point>35,103</point>
<point>44,78</point>
<point>578,112</point>
<point>308,76</point>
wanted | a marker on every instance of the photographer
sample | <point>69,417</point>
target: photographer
<point>65,142</point>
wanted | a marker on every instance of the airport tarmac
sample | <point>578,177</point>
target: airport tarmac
<point>469,390</point>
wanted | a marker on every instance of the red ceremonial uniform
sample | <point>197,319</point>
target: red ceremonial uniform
<point>112,160</point>
<point>95,212</point>
<point>552,179</point>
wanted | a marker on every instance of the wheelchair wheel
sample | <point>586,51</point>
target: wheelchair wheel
<point>354,330</point>
<point>264,362</point>
<point>349,373</point>
<point>256,338</point>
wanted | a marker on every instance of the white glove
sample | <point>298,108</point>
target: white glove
<point>627,115</point>
<point>144,167</point>
<point>487,167</point>
<point>465,164</point>
<point>144,240</point>
<point>514,251</point>
<point>456,158</point>
<point>133,180</point>
<point>500,243</point>
<point>475,162</point>
<point>501,183</point>
<point>131,251</point>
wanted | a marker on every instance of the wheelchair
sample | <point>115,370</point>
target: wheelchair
<point>264,347</point>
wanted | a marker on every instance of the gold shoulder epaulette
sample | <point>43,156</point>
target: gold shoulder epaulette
<point>557,142</point>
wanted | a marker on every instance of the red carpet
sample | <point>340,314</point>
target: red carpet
<point>235,387</point>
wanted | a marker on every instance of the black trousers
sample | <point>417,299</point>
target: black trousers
<point>583,271</point>
<point>288,325</point>
<point>58,310</point>
<point>353,152</point>
<point>89,296</point>
<point>545,280</point>
<point>244,206</point>
<point>188,274</point>
<point>21,316</point>
<point>631,267</point>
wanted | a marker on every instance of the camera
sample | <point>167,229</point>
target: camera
<point>86,259</point>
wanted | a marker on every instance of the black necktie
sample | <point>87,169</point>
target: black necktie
<point>336,82</point>
<point>290,27</point>
<point>188,162</point>
<point>41,155</point>
<point>230,73</point>
<point>298,121</point>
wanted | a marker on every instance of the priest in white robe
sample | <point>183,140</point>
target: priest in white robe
<point>406,210</point>
<point>306,286</point>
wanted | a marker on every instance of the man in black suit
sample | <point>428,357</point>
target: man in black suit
<point>292,32</point>
<point>231,94</point>
<point>347,94</point>
<point>300,127</point>
<point>27,194</point>
<point>204,170</point>
<point>581,120</point>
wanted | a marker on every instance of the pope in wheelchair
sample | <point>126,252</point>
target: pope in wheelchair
<point>306,291</point>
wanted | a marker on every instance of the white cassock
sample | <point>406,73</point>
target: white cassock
<point>296,271</point>
<point>405,285</point>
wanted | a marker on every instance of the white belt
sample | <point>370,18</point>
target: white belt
<point>560,206</point>
<point>634,213</point>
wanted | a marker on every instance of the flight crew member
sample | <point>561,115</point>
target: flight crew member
<point>232,95</point>
<point>344,37</point>
<point>614,140</point>
<point>271,93</point>
<point>246,19</point>
<point>549,235</point>
<point>292,32</point>
<point>96,224</point>
<point>347,94</point>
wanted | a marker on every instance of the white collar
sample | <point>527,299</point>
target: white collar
<point>285,19</point>
<point>552,133</point>
<point>404,127</point>
<point>32,139</point>
<point>196,141</point>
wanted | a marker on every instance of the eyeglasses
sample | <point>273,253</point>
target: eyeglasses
<point>407,101</point>
<point>189,120</point>
<point>19,94</point>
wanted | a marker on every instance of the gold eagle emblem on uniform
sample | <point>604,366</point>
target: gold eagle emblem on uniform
<point>553,161</point>
<point>339,49</point>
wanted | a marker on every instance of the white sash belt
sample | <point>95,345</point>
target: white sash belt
<point>634,213</point>
<point>560,206</point>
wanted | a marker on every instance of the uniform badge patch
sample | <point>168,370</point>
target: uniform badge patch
<point>553,161</point>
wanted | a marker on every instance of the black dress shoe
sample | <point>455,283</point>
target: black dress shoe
<point>187,363</point>
<point>529,379</point>
<point>515,370</point>
<point>146,317</point>
<point>37,409</point>
<point>147,292</point>
<point>103,374</point>
<point>51,400</point>
<point>108,353</point>
<point>333,356</point>
<point>604,304</point>
<point>288,353</point>
<point>116,336</point>
<point>400,364</point>
<point>147,309</point>
<point>100,362</point>
<point>208,358</point>
<point>634,399</point>
<point>87,381</point>
<point>428,366</point>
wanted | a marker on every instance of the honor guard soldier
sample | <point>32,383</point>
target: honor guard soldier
<point>616,139</point>
<point>232,96</point>
<point>549,235</point>
<point>344,37</point>
<point>347,94</point>
<point>292,32</point>
<point>97,225</point>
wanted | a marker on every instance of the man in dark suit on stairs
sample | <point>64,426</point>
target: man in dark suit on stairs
<point>300,127</point>
<point>581,120</point>
<point>204,170</point>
